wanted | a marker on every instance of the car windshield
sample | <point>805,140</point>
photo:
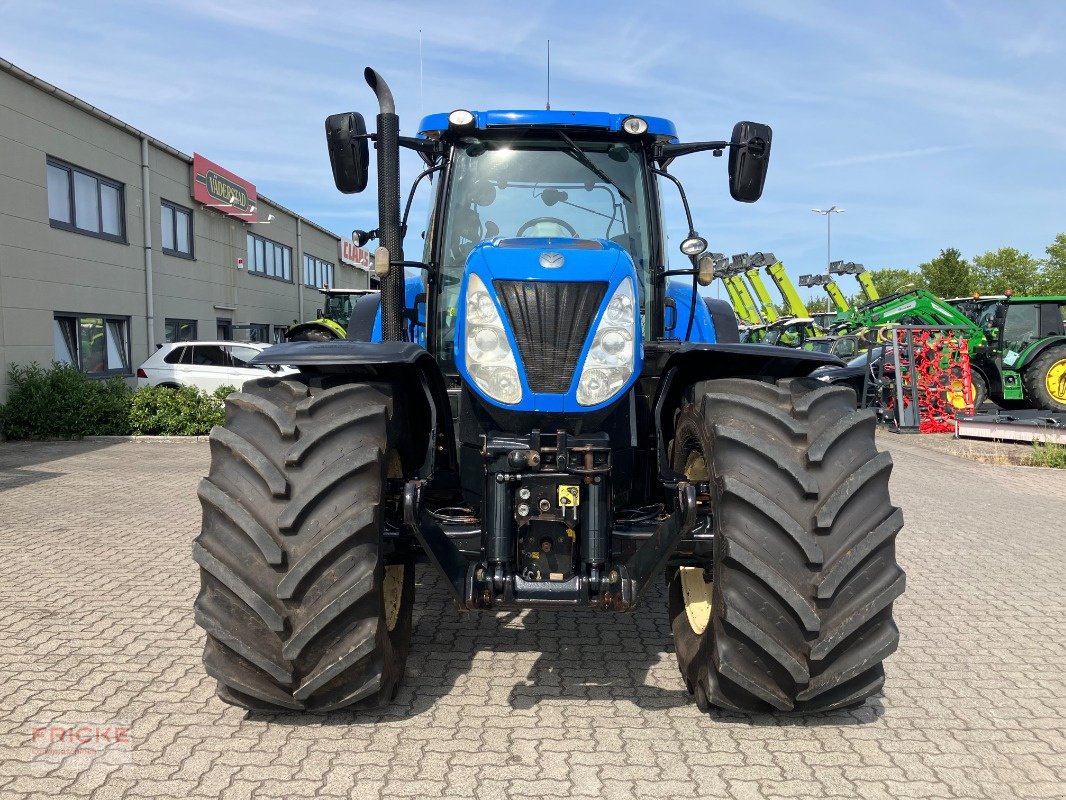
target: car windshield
<point>540,187</point>
<point>874,354</point>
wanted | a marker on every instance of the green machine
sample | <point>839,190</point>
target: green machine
<point>1017,345</point>
<point>831,289</point>
<point>332,320</point>
<point>744,304</point>
<point>865,279</point>
<point>743,262</point>
<point>794,305</point>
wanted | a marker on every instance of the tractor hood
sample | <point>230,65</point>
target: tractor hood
<point>563,331</point>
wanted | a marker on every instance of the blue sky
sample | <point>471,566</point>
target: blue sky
<point>935,124</point>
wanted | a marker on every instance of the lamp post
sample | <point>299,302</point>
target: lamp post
<point>828,214</point>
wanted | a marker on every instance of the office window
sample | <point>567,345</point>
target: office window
<point>84,202</point>
<point>259,332</point>
<point>318,274</point>
<point>180,330</point>
<point>279,333</point>
<point>175,223</point>
<point>96,345</point>
<point>269,258</point>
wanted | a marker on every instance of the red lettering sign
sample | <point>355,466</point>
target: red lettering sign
<point>218,188</point>
<point>353,254</point>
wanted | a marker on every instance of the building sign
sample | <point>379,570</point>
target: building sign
<point>221,190</point>
<point>354,255</point>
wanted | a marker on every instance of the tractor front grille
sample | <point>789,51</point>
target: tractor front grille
<point>551,321</point>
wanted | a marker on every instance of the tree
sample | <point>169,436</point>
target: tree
<point>1053,273</point>
<point>1006,268</point>
<point>948,275</point>
<point>892,279</point>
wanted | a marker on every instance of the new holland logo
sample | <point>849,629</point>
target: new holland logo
<point>551,260</point>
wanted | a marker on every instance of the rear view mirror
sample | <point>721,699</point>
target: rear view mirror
<point>748,163</point>
<point>349,153</point>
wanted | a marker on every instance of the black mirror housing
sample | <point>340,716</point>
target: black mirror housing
<point>349,152</point>
<point>748,162</point>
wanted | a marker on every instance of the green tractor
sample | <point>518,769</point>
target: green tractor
<point>332,319</point>
<point>577,427</point>
<point>1017,344</point>
<point>1023,358</point>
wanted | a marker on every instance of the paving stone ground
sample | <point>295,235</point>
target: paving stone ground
<point>96,591</point>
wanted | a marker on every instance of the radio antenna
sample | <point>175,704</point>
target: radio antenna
<point>548,104</point>
<point>421,87</point>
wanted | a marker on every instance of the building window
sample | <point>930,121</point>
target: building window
<point>224,328</point>
<point>318,274</point>
<point>96,345</point>
<point>82,201</point>
<point>180,330</point>
<point>253,332</point>
<point>175,223</point>
<point>269,259</point>
<point>279,333</point>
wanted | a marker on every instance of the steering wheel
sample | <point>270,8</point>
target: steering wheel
<point>554,220</point>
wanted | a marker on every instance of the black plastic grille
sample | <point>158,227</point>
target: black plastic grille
<point>550,321</point>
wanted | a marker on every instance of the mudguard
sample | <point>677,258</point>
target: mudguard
<point>680,366</point>
<point>429,440</point>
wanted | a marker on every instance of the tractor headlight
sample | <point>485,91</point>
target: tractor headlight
<point>611,357</point>
<point>489,357</point>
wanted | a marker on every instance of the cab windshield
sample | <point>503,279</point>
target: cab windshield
<point>551,186</point>
<point>338,308</point>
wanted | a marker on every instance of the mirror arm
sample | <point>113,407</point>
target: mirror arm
<point>684,199</point>
<point>411,194</point>
<point>670,151</point>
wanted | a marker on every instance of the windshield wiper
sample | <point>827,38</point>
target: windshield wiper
<point>578,154</point>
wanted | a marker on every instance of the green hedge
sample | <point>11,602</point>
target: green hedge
<point>60,402</point>
<point>188,411</point>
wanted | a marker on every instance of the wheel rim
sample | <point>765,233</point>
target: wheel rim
<point>392,594</point>
<point>1055,380</point>
<point>695,590</point>
<point>697,595</point>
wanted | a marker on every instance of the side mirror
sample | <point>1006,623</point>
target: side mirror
<point>349,153</point>
<point>747,164</point>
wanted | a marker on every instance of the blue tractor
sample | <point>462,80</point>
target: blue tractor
<point>552,417</point>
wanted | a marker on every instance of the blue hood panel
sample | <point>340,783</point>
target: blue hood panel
<point>548,259</point>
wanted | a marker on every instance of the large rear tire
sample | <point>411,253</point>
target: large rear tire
<point>300,609</point>
<point>797,615</point>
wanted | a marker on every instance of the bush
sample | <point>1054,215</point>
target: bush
<point>1048,454</point>
<point>60,402</point>
<point>186,411</point>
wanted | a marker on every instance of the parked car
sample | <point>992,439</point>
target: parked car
<point>205,365</point>
<point>855,372</point>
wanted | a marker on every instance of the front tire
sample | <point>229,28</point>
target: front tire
<point>804,571</point>
<point>1045,380</point>
<point>300,609</point>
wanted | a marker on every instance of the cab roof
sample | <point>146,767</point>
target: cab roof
<point>435,124</point>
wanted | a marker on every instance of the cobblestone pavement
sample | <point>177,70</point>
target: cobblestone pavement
<point>97,584</point>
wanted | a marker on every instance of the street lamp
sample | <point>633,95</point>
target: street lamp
<point>828,213</point>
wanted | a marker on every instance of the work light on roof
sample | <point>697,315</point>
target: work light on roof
<point>635,125</point>
<point>460,118</point>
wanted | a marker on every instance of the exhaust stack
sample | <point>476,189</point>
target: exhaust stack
<point>387,144</point>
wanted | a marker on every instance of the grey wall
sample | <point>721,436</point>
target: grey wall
<point>44,270</point>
